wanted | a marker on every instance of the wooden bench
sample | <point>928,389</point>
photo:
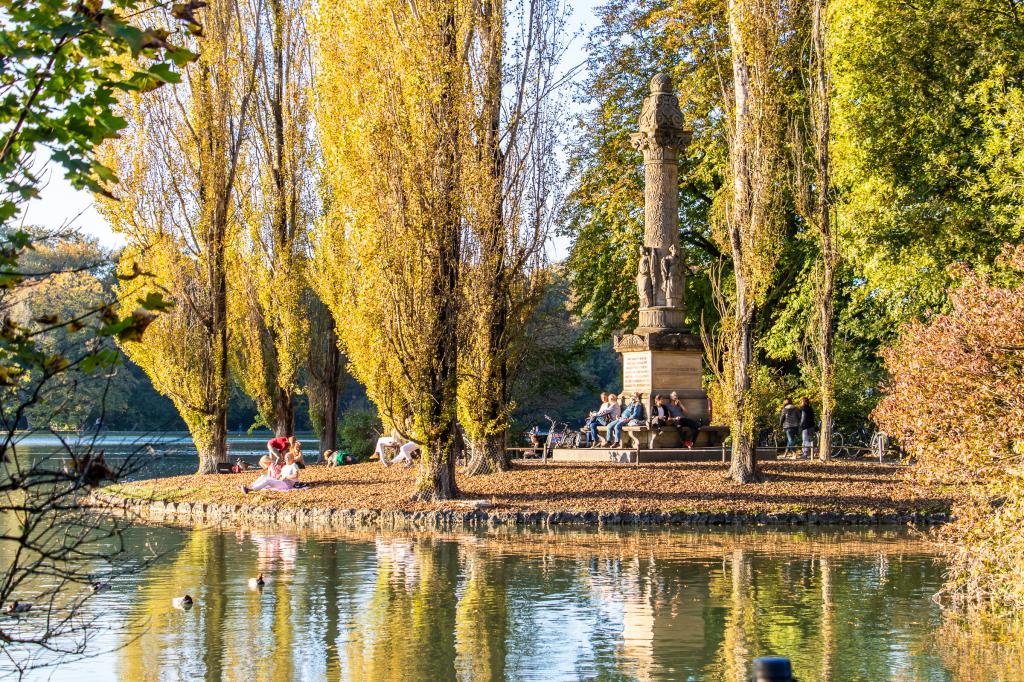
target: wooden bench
<point>668,437</point>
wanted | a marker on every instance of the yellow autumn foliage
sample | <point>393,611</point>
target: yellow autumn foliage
<point>178,160</point>
<point>391,113</point>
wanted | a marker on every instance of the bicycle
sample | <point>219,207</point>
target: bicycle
<point>558,436</point>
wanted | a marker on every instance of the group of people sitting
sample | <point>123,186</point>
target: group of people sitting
<point>613,415</point>
<point>280,466</point>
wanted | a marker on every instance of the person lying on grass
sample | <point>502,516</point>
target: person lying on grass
<point>338,458</point>
<point>283,479</point>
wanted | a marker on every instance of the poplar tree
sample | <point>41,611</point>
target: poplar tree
<point>508,187</point>
<point>391,78</point>
<point>270,327</point>
<point>179,160</point>
<point>749,217</point>
<point>813,192</point>
<point>325,373</point>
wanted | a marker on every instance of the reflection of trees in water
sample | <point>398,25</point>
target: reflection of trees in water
<point>471,608</point>
<point>173,639</point>
<point>977,649</point>
<point>407,630</point>
<point>828,636</point>
<point>481,618</point>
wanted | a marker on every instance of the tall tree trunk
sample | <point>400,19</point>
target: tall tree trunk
<point>487,450</point>
<point>436,480</point>
<point>217,196</point>
<point>325,376</point>
<point>284,413</point>
<point>743,467</point>
<point>214,450</point>
<point>217,451</point>
<point>283,400</point>
<point>821,116</point>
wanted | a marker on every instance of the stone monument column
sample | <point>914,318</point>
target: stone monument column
<point>661,355</point>
<point>661,139</point>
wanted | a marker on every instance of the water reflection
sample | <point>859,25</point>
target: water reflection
<point>638,605</point>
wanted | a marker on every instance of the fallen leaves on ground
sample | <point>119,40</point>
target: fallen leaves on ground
<point>570,486</point>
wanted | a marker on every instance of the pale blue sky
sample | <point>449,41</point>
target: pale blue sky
<point>60,203</point>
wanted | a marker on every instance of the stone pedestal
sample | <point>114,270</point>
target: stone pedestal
<point>659,363</point>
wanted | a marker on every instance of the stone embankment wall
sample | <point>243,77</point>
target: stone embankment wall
<point>320,517</point>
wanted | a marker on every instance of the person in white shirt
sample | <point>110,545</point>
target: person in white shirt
<point>591,416</point>
<point>404,454</point>
<point>606,415</point>
<point>394,440</point>
<point>285,480</point>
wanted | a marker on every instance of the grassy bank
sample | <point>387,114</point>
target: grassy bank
<point>677,487</point>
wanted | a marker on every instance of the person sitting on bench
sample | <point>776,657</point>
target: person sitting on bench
<point>659,414</point>
<point>633,415</point>
<point>606,415</point>
<point>680,418</point>
<point>592,416</point>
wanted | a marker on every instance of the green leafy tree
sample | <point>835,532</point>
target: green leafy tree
<point>927,143</point>
<point>61,67</point>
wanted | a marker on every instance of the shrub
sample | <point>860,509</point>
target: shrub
<point>358,430</point>
<point>954,402</point>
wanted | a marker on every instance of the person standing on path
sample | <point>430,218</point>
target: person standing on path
<point>808,426</point>
<point>789,421</point>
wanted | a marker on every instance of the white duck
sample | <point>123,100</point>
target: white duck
<point>257,583</point>
<point>18,607</point>
<point>183,603</point>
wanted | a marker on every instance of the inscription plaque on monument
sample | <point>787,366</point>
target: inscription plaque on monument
<point>636,372</point>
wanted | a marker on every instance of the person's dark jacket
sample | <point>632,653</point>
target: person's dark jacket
<point>807,420</point>
<point>789,418</point>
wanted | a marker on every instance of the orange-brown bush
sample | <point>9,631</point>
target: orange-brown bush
<point>955,402</point>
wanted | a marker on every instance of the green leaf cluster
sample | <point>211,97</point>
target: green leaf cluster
<point>62,65</point>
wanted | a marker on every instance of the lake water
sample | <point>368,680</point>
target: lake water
<point>632,604</point>
<point>151,454</point>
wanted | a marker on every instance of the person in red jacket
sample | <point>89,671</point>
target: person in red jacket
<point>276,447</point>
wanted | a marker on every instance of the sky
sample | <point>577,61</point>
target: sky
<point>60,203</point>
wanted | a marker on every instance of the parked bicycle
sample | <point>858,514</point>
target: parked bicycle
<point>559,436</point>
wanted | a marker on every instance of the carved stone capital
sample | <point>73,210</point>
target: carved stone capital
<point>661,145</point>
<point>661,119</point>
<point>658,341</point>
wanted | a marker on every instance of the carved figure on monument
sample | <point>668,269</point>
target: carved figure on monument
<point>669,275</point>
<point>644,281</point>
<point>658,298</point>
